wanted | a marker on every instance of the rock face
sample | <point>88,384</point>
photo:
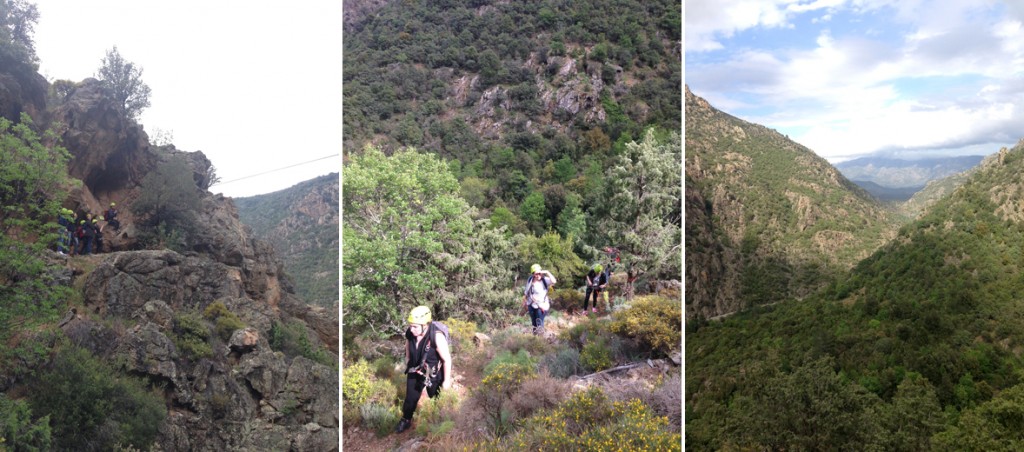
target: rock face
<point>242,395</point>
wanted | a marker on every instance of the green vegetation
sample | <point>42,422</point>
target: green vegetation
<point>93,407</point>
<point>33,181</point>
<point>293,338</point>
<point>307,246</point>
<point>18,429</point>
<point>165,209</point>
<point>192,335</point>
<point>225,322</point>
<point>124,78</point>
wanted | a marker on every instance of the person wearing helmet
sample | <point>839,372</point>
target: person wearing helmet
<point>98,239</point>
<point>111,216</point>
<point>428,362</point>
<point>596,282</point>
<point>535,296</point>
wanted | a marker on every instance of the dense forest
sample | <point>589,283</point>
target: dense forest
<point>482,138</point>
<point>917,348</point>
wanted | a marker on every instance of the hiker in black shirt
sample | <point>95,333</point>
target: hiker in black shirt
<point>428,362</point>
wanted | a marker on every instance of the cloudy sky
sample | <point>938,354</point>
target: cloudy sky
<point>255,86</point>
<point>852,77</point>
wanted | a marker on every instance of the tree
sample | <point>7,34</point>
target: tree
<point>533,211</point>
<point>643,197</point>
<point>17,23</point>
<point>410,240</point>
<point>554,253</point>
<point>125,79</point>
<point>33,182</point>
<point>168,199</point>
<point>571,220</point>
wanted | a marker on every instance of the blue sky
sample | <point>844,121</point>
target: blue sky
<point>848,78</point>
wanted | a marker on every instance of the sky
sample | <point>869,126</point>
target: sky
<point>255,86</point>
<point>847,78</point>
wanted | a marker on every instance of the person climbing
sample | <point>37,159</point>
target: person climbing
<point>111,216</point>
<point>428,362</point>
<point>597,279</point>
<point>73,231</point>
<point>98,239</point>
<point>88,234</point>
<point>535,296</point>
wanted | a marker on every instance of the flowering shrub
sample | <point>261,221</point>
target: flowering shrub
<point>588,421</point>
<point>654,320</point>
<point>462,332</point>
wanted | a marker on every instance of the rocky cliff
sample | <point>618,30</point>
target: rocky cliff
<point>767,219</point>
<point>243,394</point>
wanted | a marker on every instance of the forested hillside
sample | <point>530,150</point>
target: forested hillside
<point>482,138</point>
<point>301,224</point>
<point>918,348</point>
<point>767,219</point>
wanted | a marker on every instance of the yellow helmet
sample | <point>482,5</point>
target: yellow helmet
<point>112,204</point>
<point>598,268</point>
<point>420,315</point>
<point>535,268</point>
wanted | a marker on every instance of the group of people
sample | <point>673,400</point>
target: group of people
<point>427,351</point>
<point>84,236</point>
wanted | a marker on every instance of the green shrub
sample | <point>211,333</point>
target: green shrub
<point>588,421</point>
<point>596,356</point>
<point>360,386</point>
<point>502,378</point>
<point>93,407</point>
<point>437,415</point>
<point>379,418</point>
<point>653,320</point>
<point>462,332</point>
<point>225,321</point>
<point>192,335</point>
<point>563,363</point>
<point>514,342</point>
<point>293,338</point>
<point>587,330</point>
<point>565,300</point>
<point>18,430</point>
<point>518,359</point>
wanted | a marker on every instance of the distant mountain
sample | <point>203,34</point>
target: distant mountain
<point>301,223</point>
<point>767,219</point>
<point>903,173</point>
<point>898,194</point>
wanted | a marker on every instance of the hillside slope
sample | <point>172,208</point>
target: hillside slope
<point>301,224</point>
<point>767,219</point>
<point>919,346</point>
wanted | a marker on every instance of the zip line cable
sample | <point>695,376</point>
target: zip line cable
<point>275,170</point>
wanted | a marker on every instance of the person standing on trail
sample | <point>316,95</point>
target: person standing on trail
<point>535,296</point>
<point>111,216</point>
<point>99,234</point>
<point>428,362</point>
<point>64,235</point>
<point>597,279</point>
<point>88,234</point>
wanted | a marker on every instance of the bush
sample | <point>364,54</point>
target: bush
<point>537,394</point>
<point>653,320</point>
<point>225,321</point>
<point>462,332</point>
<point>502,378</point>
<point>437,415</point>
<point>191,335</point>
<point>360,386</point>
<point>586,331</point>
<point>563,363</point>
<point>596,356</point>
<point>293,338</point>
<point>514,342</point>
<point>566,300</point>
<point>18,430</point>
<point>519,359</point>
<point>588,421</point>
<point>379,418</point>
<point>92,407</point>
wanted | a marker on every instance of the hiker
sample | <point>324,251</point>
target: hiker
<point>86,235</point>
<point>64,222</point>
<point>111,216</point>
<point>73,231</point>
<point>98,239</point>
<point>535,296</point>
<point>597,279</point>
<point>428,362</point>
